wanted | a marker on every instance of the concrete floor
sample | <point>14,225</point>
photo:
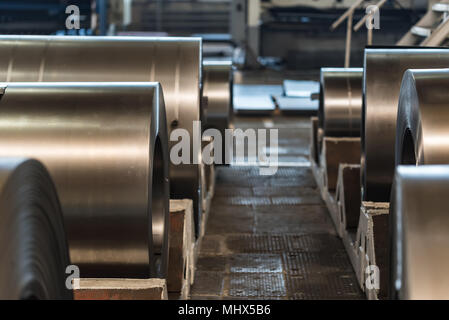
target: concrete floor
<point>271,237</point>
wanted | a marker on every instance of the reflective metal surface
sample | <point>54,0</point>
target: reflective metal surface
<point>420,233</point>
<point>422,133</point>
<point>340,105</point>
<point>383,72</point>
<point>217,87</point>
<point>418,217</point>
<point>33,247</point>
<point>105,146</point>
<point>174,62</point>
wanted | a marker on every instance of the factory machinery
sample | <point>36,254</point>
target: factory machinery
<point>396,107</point>
<point>86,176</point>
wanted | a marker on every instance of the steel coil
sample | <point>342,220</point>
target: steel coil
<point>217,87</point>
<point>419,237</point>
<point>105,146</point>
<point>33,247</point>
<point>383,72</point>
<point>418,215</point>
<point>422,133</point>
<point>174,62</point>
<point>340,107</point>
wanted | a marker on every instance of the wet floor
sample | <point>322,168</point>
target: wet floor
<point>271,237</point>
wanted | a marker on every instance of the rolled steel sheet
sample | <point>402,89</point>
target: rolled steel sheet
<point>422,133</point>
<point>217,88</point>
<point>33,246</point>
<point>174,62</point>
<point>340,108</point>
<point>105,146</point>
<point>418,215</point>
<point>419,238</point>
<point>383,72</point>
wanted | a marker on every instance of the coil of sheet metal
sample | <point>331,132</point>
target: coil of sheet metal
<point>217,87</point>
<point>340,107</point>
<point>105,146</point>
<point>383,72</point>
<point>419,236</point>
<point>174,62</point>
<point>422,132</point>
<point>418,203</point>
<point>33,247</point>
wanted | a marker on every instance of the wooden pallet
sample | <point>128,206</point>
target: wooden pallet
<point>368,246</point>
<point>371,246</point>
<point>363,226</point>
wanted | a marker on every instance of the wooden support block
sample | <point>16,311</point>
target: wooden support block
<point>363,226</point>
<point>208,186</point>
<point>207,201</point>
<point>348,196</point>
<point>313,147</point>
<point>334,152</point>
<point>181,265</point>
<point>119,289</point>
<point>372,246</point>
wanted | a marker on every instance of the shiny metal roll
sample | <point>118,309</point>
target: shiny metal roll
<point>419,237</point>
<point>340,108</point>
<point>383,72</point>
<point>105,146</point>
<point>422,132</point>
<point>174,62</point>
<point>217,88</point>
<point>33,247</point>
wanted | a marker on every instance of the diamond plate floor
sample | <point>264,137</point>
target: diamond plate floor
<point>271,237</point>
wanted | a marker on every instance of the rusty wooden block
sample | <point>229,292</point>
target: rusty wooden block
<point>119,289</point>
<point>181,255</point>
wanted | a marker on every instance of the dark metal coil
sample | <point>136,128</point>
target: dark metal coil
<point>105,146</point>
<point>33,246</point>
<point>418,214</point>
<point>340,107</point>
<point>422,133</point>
<point>217,88</point>
<point>419,237</point>
<point>383,72</point>
<point>174,62</point>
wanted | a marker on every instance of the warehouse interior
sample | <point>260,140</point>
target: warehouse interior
<point>224,150</point>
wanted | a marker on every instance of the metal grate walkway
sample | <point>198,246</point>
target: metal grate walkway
<point>271,237</point>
